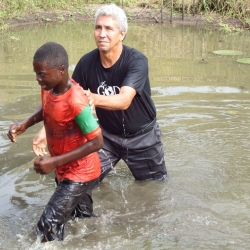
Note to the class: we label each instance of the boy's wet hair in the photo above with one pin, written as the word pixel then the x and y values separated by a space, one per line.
pixel 53 54
pixel 116 13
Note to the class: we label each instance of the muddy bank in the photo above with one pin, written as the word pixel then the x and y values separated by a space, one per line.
pixel 134 15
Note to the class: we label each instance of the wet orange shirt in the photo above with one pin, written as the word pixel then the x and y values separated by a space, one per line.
pixel 64 134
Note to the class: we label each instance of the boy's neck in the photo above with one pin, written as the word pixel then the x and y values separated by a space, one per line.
pixel 60 90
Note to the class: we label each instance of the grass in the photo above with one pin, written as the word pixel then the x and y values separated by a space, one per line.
pixel 238 9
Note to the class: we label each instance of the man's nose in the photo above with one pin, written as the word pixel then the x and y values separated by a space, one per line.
pixel 102 32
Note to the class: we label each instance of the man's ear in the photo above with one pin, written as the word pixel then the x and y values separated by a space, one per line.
pixel 123 35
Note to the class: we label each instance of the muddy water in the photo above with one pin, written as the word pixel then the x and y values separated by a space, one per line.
pixel 203 106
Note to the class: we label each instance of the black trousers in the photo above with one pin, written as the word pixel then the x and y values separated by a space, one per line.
pixel 66 197
pixel 143 154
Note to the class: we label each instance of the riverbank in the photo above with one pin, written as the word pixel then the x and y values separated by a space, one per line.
pixel 86 12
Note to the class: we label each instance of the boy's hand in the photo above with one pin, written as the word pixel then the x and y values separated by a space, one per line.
pixel 39 143
pixel 16 129
pixel 44 165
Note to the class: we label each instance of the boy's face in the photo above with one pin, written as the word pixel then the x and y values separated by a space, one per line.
pixel 47 77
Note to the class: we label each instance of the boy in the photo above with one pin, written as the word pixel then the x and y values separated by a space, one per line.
pixel 73 136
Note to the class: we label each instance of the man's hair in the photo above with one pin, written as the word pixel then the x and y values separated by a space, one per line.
pixel 116 13
pixel 53 54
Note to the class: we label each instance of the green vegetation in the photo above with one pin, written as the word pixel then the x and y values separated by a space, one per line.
pixel 15 9
pixel 238 9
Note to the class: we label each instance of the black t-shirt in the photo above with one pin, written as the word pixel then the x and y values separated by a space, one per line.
pixel 131 70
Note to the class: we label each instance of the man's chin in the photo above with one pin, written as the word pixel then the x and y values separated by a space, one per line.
pixel 103 50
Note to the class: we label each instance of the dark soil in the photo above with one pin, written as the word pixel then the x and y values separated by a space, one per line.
pixel 134 15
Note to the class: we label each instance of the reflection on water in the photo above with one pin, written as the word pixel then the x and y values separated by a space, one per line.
pixel 203 106
pixel 176 90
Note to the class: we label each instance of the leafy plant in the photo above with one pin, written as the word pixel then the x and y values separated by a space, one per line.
pixel 238 9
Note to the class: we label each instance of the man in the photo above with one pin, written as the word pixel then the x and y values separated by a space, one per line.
pixel 116 77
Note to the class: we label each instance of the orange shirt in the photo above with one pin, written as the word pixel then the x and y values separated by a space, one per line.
pixel 64 134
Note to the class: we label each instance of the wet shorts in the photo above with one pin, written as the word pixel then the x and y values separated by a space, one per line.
pixel 59 208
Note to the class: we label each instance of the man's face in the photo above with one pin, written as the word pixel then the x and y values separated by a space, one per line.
pixel 107 34
pixel 47 77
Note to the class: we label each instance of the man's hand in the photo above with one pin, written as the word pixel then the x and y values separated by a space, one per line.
pixel 16 129
pixel 90 98
pixel 39 143
pixel 44 165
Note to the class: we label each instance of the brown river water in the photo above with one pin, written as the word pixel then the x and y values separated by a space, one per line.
pixel 203 106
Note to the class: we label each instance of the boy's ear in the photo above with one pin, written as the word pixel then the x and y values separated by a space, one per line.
pixel 62 69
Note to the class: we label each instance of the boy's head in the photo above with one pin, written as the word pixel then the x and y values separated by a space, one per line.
pixel 52 54
pixel 50 64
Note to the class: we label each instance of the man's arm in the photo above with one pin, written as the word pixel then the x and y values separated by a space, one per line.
pixel 119 101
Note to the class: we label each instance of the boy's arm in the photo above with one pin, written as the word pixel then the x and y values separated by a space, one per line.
pixel 45 165
pixel 92 131
pixel 20 127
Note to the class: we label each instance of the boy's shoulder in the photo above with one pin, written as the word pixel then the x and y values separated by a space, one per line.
pixel 77 94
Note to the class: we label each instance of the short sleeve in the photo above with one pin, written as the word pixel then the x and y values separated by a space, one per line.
pixel 86 121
